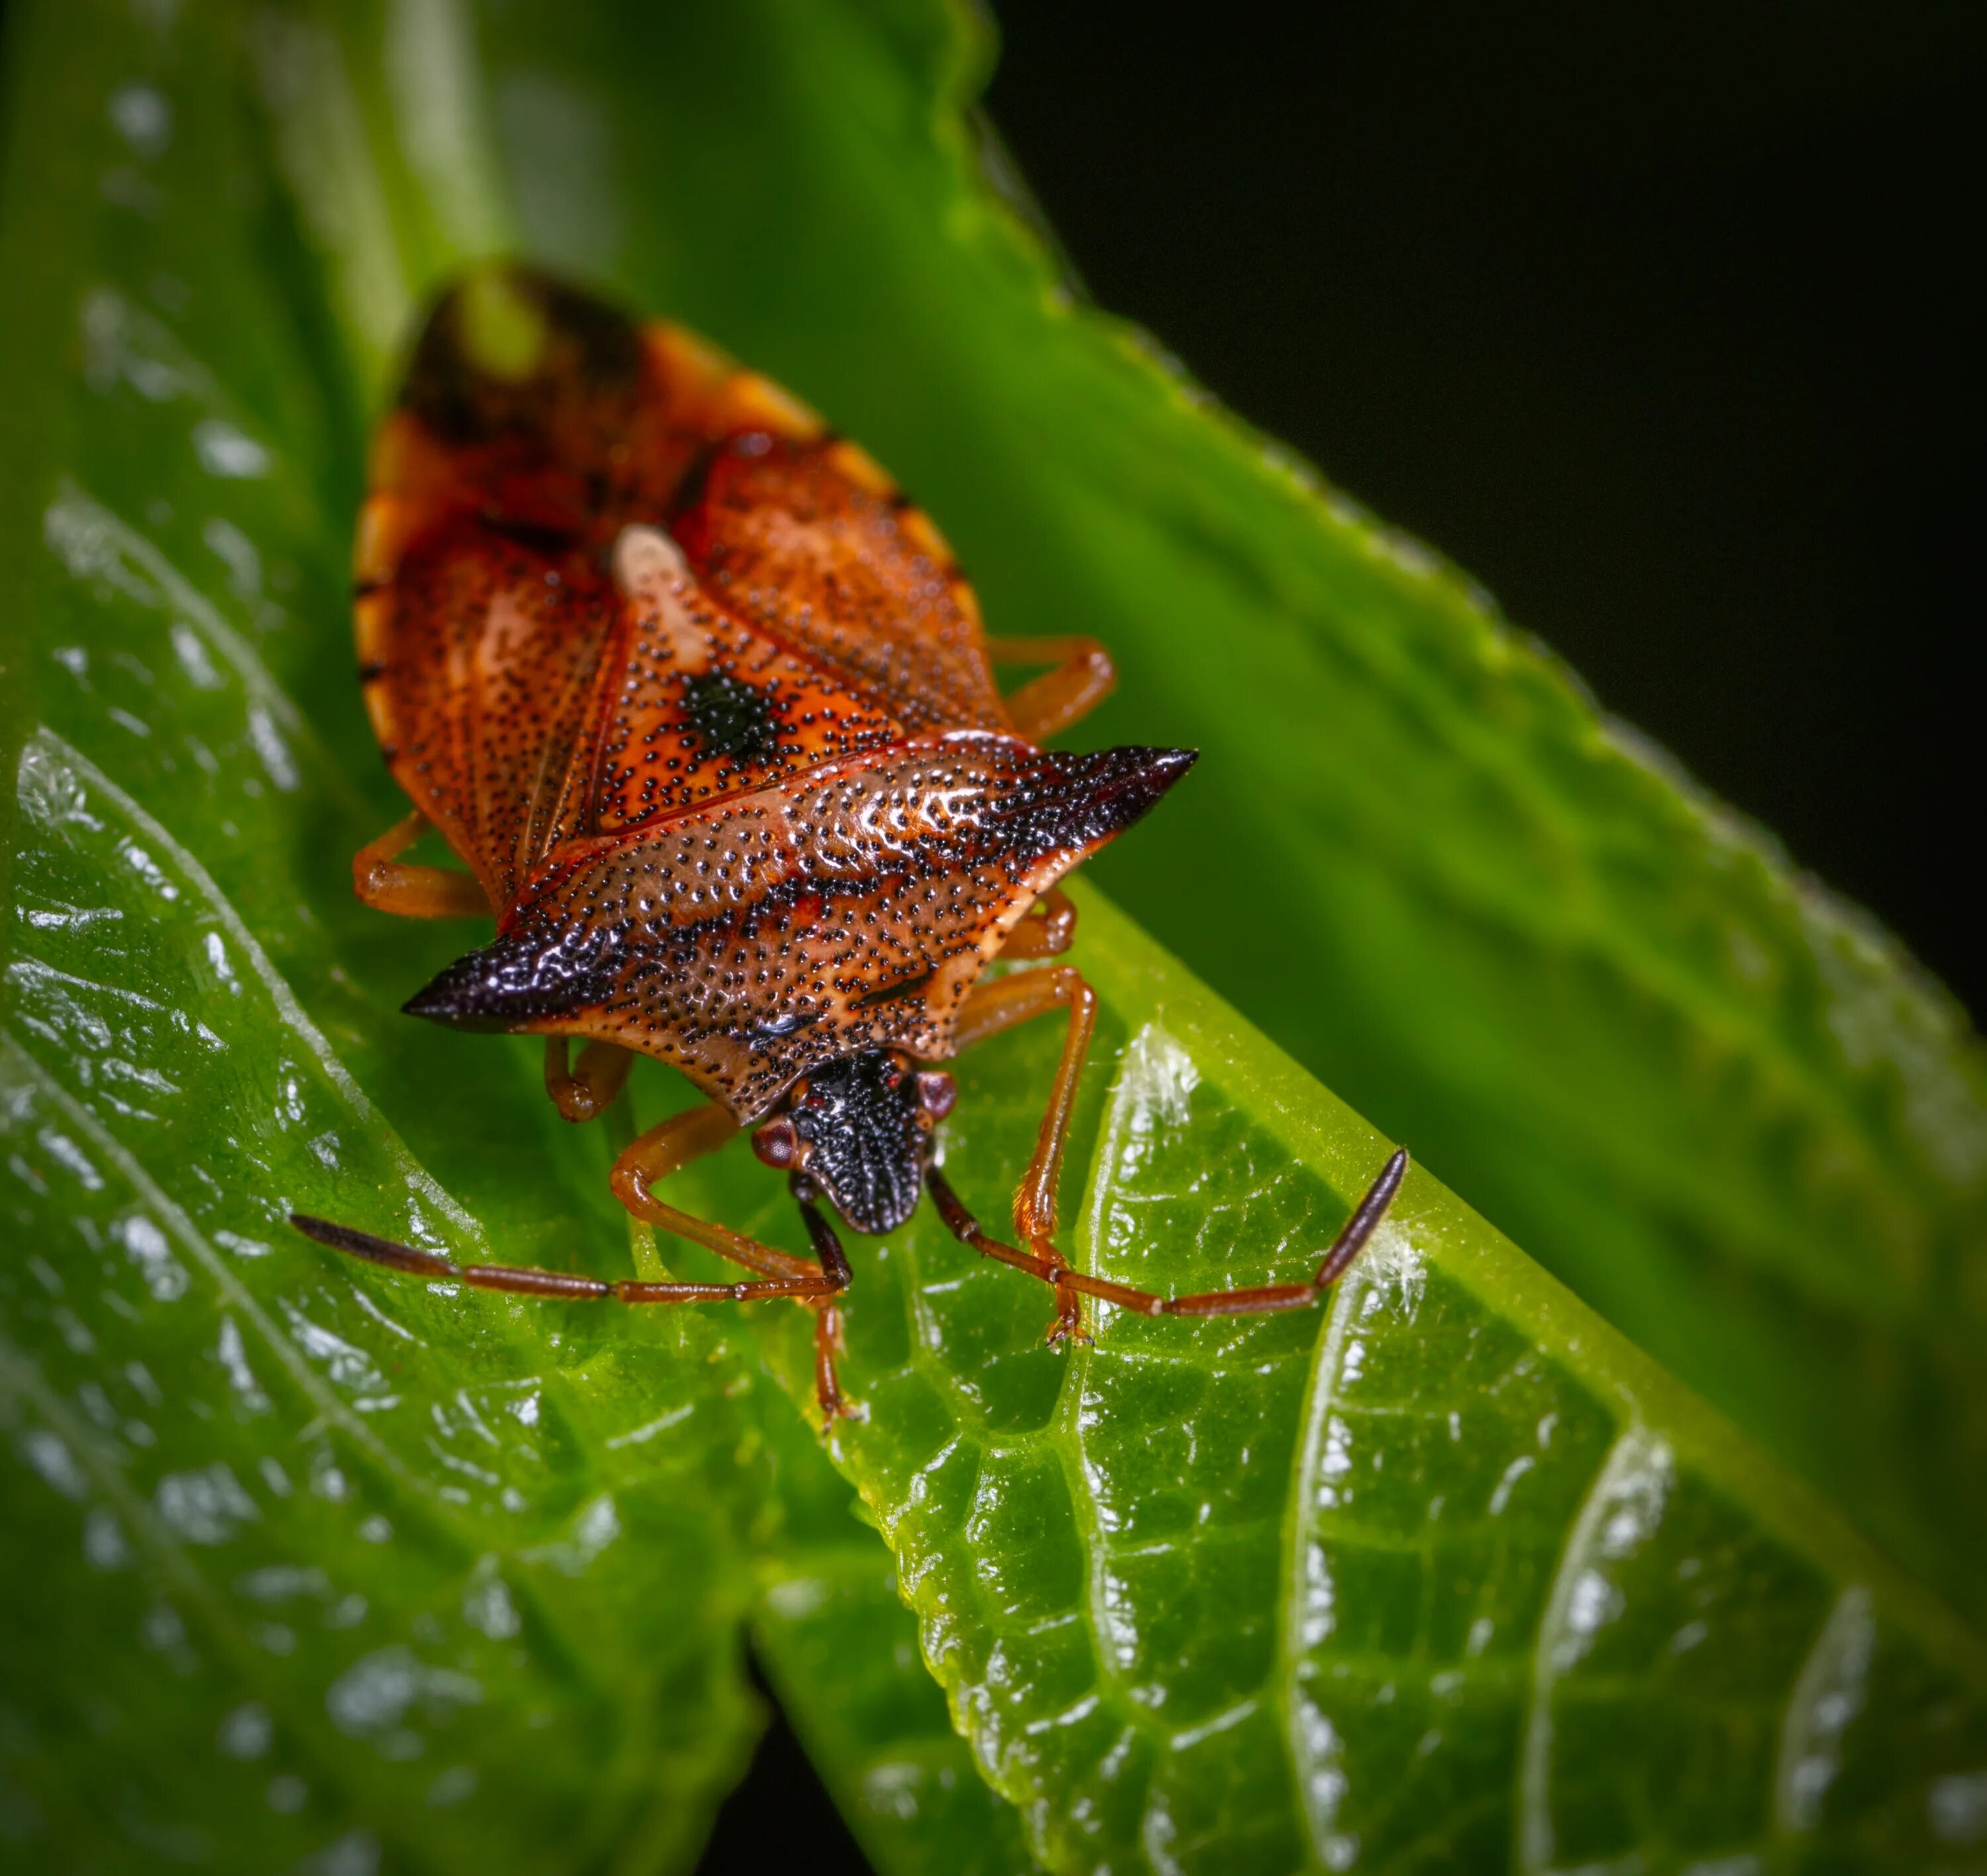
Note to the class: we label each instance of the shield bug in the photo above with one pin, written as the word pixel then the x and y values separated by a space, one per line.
pixel 705 708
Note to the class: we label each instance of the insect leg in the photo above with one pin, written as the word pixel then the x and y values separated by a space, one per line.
pixel 528 1279
pixel 827 1315
pixel 413 891
pixel 688 1136
pixel 1084 677
pixel 657 1154
pixel 1049 935
pixel 667 1148
pixel 586 1092
pixel 1263 1300
pixel 992 1007
pixel 660 1151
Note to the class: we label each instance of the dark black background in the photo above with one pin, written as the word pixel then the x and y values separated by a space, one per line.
pixel 1656 319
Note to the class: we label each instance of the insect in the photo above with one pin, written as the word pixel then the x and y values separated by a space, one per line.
pixel 705 708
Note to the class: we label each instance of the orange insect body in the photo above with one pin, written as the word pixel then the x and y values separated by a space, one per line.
pixel 707 709
pixel 743 794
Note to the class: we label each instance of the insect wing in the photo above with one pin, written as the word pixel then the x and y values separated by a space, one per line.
pixel 482 692
pixel 811 541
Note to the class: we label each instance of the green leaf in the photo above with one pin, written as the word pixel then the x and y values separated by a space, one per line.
pixel 1446 1574
pixel 840 1651
pixel 1720 1105
pixel 1449 1572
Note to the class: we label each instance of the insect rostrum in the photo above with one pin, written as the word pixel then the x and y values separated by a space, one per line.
pixel 706 710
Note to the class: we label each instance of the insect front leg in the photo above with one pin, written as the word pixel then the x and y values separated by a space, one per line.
pixel 992 1007
pixel 828 1311
pixel 532 1280
pixel 1263 1299
pixel 668 1147
pixel 662 1150
pixel 1083 677
pixel 675 1143
pixel 413 891
pixel 587 1091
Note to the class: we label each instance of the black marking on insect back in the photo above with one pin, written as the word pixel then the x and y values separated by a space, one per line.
pixel 533 537
pixel 695 479
pixel 372 671
pixel 891 992
pixel 861 1119
pixel 520 978
pixel 731 719
pixel 590 349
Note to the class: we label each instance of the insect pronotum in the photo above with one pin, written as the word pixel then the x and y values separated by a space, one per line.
pixel 705 708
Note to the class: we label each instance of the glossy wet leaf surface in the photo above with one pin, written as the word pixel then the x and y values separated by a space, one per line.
pixel 309 1568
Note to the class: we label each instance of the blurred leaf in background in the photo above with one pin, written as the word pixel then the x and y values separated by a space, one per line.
pixel 307 1564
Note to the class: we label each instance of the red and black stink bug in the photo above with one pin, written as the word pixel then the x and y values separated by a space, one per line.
pixel 706 708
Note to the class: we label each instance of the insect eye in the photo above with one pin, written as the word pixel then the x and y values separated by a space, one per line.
pixel 777 1143
pixel 936 1092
